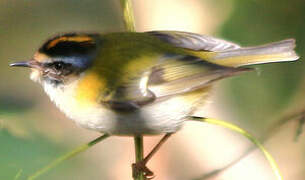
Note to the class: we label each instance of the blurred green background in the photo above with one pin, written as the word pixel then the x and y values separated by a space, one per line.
pixel 33 131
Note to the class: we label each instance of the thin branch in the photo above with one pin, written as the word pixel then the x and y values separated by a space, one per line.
pixel 128 17
pixel 299 115
pixel 235 128
pixel 216 172
pixel 18 175
pixel 300 126
pixel 139 151
pixel 67 156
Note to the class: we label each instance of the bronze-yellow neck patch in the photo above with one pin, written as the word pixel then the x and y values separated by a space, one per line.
pixel 89 89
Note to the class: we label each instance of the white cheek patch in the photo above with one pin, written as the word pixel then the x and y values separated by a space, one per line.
pixel 35 75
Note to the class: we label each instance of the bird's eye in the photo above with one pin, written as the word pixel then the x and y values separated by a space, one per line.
pixel 59 66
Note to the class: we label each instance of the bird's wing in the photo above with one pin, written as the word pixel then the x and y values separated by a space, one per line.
pixel 170 74
pixel 198 61
pixel 173 75
pixel 183 74
pixel 131 94
pixel 228 53
pixel 194 41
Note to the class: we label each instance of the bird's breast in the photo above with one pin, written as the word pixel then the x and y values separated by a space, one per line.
pixel 78 100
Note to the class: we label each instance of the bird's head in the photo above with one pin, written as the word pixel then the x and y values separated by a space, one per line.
pixel 63 58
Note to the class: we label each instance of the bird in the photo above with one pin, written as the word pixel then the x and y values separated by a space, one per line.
pixel 140 83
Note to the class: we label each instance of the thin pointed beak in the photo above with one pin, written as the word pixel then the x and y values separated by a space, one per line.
pixel 29 64
pixel 21 64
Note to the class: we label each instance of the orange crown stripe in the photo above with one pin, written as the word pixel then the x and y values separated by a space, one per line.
pixel 73 39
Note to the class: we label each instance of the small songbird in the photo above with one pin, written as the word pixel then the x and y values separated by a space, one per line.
pixel 130 83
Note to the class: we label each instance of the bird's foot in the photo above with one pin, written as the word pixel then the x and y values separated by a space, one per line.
pixel 140 167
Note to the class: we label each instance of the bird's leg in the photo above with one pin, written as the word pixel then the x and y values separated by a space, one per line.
pixel 140 166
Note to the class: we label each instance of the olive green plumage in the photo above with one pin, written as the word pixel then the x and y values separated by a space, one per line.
pixel 130 83
pixel 125 58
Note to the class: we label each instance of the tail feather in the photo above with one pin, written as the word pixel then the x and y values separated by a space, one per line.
pixel 273 52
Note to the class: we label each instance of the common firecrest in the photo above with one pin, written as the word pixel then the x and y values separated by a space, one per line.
pixel 130 83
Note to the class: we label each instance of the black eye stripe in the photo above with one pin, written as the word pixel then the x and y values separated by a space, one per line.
pixel 58 65
pixel 60 68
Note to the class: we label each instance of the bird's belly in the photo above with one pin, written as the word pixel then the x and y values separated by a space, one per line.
pixel 156 118
pixel 164 117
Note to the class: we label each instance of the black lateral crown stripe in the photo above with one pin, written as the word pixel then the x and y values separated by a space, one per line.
pixel 68 44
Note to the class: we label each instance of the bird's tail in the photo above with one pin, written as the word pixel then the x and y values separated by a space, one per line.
pixel 273 52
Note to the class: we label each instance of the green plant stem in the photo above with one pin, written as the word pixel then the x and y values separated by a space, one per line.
pixel 295 116
pixel 130 26
pixel 128 17
pixel 67 156
pixel 237 129
pixel 18 174
pixel 138 142
pixel 300 126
